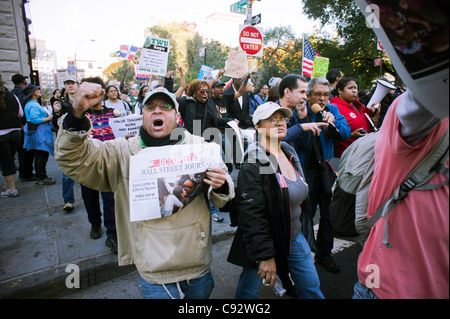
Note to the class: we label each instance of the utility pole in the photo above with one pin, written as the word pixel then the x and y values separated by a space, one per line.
pixel 248 21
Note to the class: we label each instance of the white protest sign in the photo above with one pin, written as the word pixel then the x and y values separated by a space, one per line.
pixel 126 125
pixel 154 56
pixel 236 65
pixel 162 183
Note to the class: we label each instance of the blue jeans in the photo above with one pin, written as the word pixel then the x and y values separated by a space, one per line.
pixel 302 270
pixel 67 189
pixel 199 288
pixel 362 292
pixel 214 209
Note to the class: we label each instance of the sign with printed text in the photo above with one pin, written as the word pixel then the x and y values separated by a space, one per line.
pixel 154 56
pixel 377 62
pixel 321 65
pixel 205 73
pixel 251 40
pixel 162 183
pixel 141 75
pixel 126 125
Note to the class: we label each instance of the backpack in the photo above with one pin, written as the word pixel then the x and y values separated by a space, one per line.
pixel 350 201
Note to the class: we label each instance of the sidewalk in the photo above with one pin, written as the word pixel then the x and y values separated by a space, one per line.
pixel 38 240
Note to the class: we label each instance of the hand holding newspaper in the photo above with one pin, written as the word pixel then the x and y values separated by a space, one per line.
pixel 162 183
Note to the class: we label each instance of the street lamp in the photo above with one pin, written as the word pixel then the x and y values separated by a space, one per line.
pixel 76 66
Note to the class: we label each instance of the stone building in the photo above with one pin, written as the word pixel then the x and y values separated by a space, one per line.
pixel 15 53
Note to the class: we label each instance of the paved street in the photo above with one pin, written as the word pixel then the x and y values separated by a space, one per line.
pixel 226 275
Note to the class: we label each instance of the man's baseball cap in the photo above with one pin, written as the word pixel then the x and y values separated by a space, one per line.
pixel 264 111
pixel 161 91
pixel 18 78
pixel 135 86
pixel 217 83
pixel 71 78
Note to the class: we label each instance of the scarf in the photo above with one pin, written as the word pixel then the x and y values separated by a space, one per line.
pixel 155 142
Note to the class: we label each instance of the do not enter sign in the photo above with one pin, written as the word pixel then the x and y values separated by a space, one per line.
pixel 251 40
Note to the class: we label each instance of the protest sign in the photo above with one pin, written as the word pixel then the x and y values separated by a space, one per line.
pixel 154 56
pixel 126 125
pixel 141 75
pixel 236 65
pixel 163 183
pixel 205 73
pixel 320 67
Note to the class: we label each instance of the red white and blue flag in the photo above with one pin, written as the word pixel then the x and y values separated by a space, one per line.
pixel 128 51
pixel 308 59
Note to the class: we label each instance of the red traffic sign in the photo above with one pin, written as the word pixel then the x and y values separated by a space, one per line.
pixel 251 41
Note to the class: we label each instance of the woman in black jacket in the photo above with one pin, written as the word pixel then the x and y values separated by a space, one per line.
pixel 269 239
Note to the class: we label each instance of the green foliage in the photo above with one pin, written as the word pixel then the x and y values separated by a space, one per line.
pixel 185 43
pixel 354 48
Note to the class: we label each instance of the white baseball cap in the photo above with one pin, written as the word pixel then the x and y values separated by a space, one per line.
pixel 264 111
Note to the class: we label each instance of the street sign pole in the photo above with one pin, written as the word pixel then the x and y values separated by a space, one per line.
pixel 248 21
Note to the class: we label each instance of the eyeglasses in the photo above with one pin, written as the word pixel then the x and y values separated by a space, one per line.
pixel 276 121
pixel 319 95
pixel 203 92
pixel 164 107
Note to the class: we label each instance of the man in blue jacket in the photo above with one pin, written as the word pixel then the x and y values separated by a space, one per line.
pixel 314 149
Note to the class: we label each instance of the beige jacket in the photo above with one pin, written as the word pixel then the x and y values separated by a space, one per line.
pixel 165 250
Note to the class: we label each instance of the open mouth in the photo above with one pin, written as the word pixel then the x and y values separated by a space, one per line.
pixel 158 124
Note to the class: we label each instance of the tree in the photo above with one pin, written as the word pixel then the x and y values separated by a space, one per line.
pixel 185 43
pixel 355 47
pixel 115 71
pixel 282 54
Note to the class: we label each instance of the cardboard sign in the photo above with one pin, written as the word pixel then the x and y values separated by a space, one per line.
pixel 236 65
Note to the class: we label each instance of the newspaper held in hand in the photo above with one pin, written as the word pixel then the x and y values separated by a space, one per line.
pixel 163 181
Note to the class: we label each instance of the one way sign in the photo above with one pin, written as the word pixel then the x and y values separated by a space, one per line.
pixel 256 19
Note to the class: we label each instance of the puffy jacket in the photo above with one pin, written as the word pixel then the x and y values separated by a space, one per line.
pixel 164 250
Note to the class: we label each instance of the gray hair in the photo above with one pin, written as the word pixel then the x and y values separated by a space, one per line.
pixel 315 81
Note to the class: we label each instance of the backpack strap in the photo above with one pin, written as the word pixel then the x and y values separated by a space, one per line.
pixel 417 180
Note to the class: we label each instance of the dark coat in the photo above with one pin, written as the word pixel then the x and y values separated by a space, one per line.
pixel 261 212
pixel 241 114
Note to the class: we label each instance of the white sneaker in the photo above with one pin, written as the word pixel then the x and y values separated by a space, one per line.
pixel 8 193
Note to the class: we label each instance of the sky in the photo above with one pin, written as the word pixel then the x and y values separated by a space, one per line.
pixel 67 25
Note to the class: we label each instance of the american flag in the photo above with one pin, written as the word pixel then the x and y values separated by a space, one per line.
pixel 308 58
pixel 128 52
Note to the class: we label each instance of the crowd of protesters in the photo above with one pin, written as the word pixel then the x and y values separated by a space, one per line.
pixel 316 121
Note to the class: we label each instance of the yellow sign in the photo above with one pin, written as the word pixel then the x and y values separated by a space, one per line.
pixel 321 65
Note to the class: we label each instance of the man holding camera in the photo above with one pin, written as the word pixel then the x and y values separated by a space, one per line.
pixel 71 86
